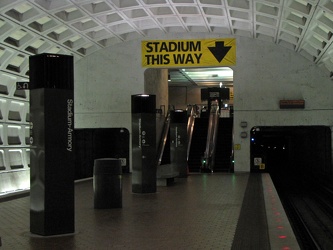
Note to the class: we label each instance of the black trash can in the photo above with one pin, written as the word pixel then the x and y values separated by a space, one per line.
pixel 107 183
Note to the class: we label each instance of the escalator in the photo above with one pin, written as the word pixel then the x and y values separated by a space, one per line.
pixel 210 147
pixel 198 144
pixel 172 150
pixel 165 170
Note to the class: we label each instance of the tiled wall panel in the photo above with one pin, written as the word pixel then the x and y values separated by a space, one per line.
pixel 14 133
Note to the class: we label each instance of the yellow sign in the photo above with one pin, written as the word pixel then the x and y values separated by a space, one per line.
pixel 237 146
pixel 262 166
pixel 188 53
pixel 231 93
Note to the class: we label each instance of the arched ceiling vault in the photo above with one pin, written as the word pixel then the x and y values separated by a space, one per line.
pixel 81 27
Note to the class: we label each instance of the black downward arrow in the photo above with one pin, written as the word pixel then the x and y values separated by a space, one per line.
pixel 219 51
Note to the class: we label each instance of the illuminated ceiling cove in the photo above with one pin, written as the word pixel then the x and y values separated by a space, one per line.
pixel 81 27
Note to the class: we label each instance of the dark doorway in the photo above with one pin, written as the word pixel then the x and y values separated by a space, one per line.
pixel 299 149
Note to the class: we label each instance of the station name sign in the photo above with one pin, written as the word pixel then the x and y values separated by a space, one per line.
pixel 22 85
pixel 188 53
pixel 292 104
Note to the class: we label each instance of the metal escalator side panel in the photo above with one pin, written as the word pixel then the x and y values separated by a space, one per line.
pixel 211 137
pixel 213 142
pixel 163 138
pixel 190 127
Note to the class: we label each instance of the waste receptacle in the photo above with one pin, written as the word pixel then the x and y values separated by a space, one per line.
pixel 107 183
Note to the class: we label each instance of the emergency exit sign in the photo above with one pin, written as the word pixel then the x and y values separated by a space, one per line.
pixel 188 53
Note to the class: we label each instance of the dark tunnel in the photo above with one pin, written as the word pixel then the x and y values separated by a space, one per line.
pixel 305 150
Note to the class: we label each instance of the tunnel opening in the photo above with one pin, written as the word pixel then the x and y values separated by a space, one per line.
pixel 304 150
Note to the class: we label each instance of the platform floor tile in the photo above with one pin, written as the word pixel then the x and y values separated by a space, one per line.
pixel 197 212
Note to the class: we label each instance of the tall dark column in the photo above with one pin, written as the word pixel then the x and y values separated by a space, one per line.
pixel 178 141
pixel 144 143
pixel 52 151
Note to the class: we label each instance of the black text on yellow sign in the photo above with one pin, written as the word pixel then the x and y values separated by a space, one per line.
pixel 189 53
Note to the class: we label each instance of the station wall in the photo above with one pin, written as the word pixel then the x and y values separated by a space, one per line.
pixel 264 74
pixel 14 134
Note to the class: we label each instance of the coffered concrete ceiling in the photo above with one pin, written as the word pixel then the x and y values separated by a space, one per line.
pixel 80 27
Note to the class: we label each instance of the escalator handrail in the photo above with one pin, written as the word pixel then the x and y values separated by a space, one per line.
pixel 164 137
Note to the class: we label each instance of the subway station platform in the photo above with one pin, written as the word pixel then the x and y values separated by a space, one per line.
pixel 202 211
